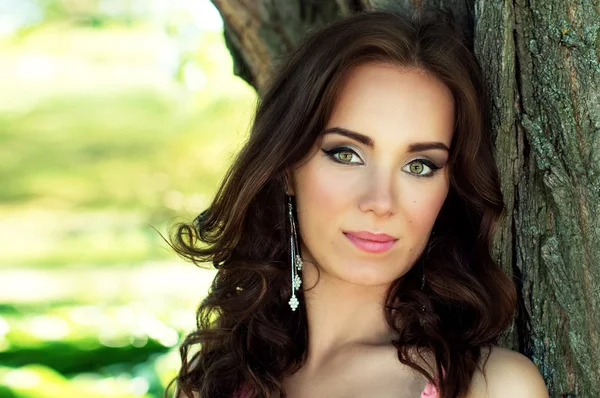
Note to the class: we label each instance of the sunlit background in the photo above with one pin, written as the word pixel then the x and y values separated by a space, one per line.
pixel 116 117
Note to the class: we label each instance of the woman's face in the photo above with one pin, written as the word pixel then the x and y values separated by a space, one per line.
pixel 364 176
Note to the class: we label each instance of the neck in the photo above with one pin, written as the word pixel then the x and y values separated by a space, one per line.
pixel 341 315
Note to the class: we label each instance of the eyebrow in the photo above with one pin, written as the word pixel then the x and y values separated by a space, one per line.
pixel 414 147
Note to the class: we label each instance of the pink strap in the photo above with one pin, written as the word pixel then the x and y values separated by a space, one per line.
pixel 431 390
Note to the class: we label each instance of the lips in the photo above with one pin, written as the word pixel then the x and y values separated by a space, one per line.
pixel 371 236
pixel 369 242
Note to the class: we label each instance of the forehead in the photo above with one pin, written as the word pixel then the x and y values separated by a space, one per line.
pixel 390 102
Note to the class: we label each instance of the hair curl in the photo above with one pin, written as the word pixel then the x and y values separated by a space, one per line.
pixel 245 328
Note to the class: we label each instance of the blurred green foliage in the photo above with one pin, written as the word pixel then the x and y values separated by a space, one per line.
pixel 112 123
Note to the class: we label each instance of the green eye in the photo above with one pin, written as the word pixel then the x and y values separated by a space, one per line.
pixel 345 155
pixel 416 168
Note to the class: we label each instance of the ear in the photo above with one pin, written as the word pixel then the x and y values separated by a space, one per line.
pixel 289 186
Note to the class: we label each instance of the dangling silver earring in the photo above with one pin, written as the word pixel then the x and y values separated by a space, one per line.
pixel 296 260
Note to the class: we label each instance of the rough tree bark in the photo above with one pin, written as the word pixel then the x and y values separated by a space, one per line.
pixel 541 61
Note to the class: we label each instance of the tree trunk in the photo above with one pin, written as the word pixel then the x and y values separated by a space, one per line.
pixel 541 62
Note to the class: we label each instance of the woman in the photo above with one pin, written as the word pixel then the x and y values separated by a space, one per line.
pixel 352 234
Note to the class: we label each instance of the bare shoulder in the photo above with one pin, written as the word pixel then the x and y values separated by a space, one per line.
pixel 508 374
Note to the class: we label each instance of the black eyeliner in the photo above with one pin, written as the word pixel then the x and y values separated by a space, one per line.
pixel 429 164
pixel 335 150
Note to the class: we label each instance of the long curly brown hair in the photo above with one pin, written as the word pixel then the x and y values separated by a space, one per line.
pixel 246 332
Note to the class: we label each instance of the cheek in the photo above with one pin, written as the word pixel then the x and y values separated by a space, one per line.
pixel 322 200
pixel 423 205
pixel 322 193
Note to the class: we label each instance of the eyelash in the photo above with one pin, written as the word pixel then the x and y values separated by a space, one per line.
pixel 334 151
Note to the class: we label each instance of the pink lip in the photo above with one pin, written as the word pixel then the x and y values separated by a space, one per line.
pixel 369 242
pixel 371 236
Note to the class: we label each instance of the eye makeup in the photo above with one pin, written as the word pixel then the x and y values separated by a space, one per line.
pixel 332 154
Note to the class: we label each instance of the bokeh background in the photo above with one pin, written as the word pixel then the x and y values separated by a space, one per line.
pixel 118 118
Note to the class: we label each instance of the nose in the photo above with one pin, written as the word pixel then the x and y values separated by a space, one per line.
pixel 378 194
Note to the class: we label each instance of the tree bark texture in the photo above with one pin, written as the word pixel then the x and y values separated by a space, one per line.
pixel 541 60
